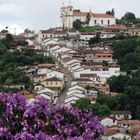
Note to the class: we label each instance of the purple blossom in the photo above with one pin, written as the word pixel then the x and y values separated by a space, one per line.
pixel 42 121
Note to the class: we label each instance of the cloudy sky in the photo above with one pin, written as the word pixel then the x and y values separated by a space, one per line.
pixel 41 14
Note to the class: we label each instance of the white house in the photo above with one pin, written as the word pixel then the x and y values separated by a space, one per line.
pixel 72 61
pixel 76 67
pixel 102 73
pixel 105 35
pixel 81 81
pixel 55 73
pixel 51 50
pixel 87 35
pixel 46 42
pixel 80 91
pixel 116 136
pixel 69 15
pixel 60 51
pixel 43 71
pixel 129 124
pixel 76 87
pixel 120 115
pixel 46 90
pixel 38 87
pixel 30 42
pixel 107 122
pixel 72 98
pixel 48 94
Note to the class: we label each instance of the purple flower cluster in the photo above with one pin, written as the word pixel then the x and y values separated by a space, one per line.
pixel 42 121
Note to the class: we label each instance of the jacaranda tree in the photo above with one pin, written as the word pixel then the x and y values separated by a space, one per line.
pixel 21 120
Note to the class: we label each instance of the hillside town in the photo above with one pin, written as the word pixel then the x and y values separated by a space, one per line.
pixel 76 64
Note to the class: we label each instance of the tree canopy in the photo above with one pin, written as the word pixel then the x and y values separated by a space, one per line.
pixel 10 61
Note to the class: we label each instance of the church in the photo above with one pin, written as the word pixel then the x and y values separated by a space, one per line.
pixel 69 15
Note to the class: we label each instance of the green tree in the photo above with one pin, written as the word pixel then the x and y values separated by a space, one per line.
pixel 112 12
pixel 105 63
pixel 104 110
pixel 118 84
pixel 107 100
pixel 82 103
pixel 95 108
pixel 129 16
pixel 138 112
pixel 77 24
pixel 88 18
pixel 22 43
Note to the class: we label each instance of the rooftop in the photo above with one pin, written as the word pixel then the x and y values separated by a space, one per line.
pixel 121 113
pixel 54 79
pixel 96 15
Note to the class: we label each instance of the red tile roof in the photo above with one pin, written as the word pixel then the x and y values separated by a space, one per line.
pixel 130 122
pixel 88 75
pixel 45 65
pixel 96 15
pixel 54 79
pixel 82 79
pixel 116 27
pixel 121 113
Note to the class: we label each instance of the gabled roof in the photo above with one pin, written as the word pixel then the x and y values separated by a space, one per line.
pixel 129 122
pixel 54 79
pixel 96 15
pixel 116 27
pixel 88 75
pixel 82 79
pixel 121 113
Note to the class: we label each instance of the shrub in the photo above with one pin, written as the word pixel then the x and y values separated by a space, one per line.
pixel 21 120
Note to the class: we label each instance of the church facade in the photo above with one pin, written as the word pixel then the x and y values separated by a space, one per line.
pixel 69 15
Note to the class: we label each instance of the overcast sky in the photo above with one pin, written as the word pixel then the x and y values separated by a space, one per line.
pixel 41 14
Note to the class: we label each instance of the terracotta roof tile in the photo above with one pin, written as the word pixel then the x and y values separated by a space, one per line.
pixel 54 79
pixel 96 15
pixel 121 113
pixel 130 122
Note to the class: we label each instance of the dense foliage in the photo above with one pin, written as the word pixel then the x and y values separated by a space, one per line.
pixel 129 88
pixel 77 24
pixel 10 61
pixel 91 28
pixel 129 18
pixel 112 12
pixel 41 121
pixel 127 52
pixel 98 109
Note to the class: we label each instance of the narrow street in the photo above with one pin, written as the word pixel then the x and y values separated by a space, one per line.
pixel 68 76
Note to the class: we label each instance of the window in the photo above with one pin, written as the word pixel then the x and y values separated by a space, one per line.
pixel 108 22
pixel 102 22
pixel 95 21
pixel 50 83
pixel 56 83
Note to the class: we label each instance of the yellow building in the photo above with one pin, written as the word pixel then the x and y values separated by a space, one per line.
pixel 134 31
pixel 53 82
pixel 39 78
